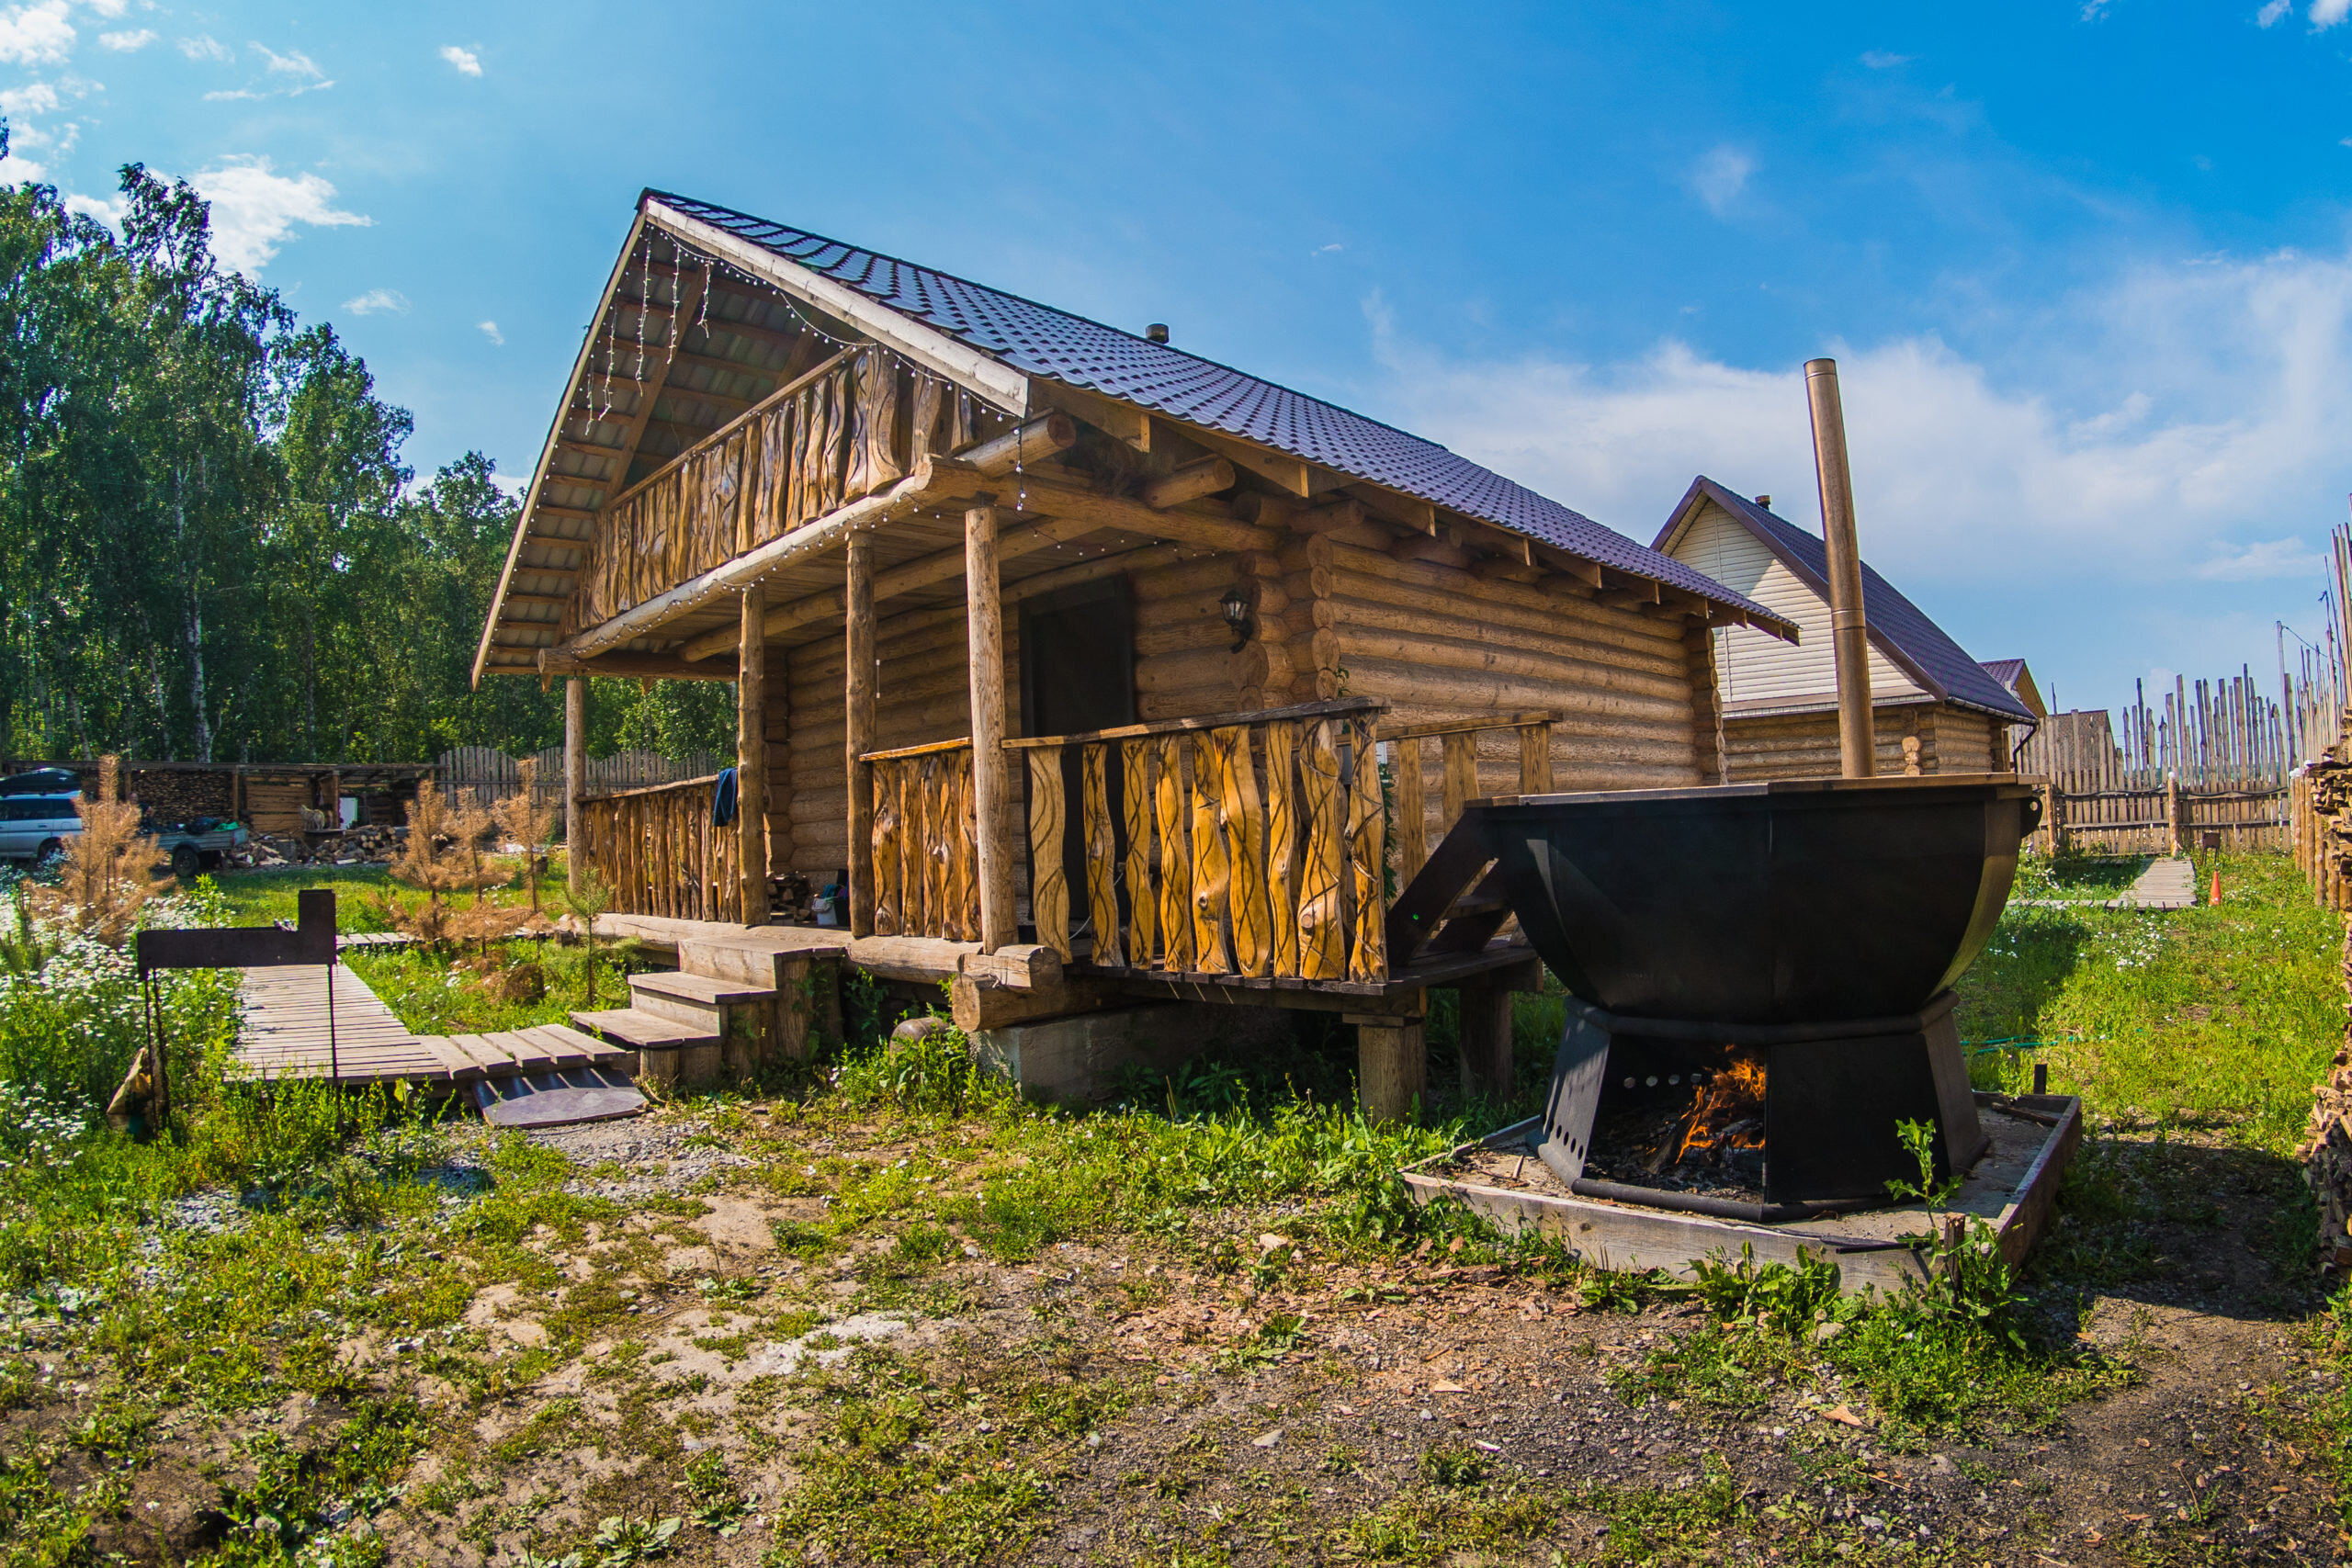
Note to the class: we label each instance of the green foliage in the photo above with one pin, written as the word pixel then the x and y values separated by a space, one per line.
pixel 215 550
pixel 1774 1295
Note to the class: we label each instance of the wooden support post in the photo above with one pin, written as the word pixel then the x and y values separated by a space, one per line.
pixel 575 781
pixel 991 774
pixel 858 649
pixel 1485 1043
pixel 752 757
pixel 1392 1066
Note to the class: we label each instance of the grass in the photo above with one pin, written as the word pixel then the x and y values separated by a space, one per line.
pixel 361 1259
pixel 2210 1021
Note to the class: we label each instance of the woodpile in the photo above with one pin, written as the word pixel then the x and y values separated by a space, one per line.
pixel 2326 1153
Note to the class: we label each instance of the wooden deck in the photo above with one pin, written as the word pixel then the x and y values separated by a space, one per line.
pixel 285 1036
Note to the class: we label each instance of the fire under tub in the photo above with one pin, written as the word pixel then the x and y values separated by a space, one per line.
pixel 1779 955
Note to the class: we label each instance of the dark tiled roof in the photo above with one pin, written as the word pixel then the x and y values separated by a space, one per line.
pixel 2005 670
pixel 1038 340
pixel 1904 630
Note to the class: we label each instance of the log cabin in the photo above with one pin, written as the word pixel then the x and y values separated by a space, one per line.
pixel 1934 709
pixel 1103 675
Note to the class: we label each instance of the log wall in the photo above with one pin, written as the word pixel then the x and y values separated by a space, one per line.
pixel 1911 737
pixel 1439 642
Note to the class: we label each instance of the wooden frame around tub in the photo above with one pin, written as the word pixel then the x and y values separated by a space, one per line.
pixel 1623 1236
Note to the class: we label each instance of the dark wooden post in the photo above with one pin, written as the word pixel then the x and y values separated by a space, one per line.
pixel 991 774
pixel 1392 1065
pixel 1484 1043
pixel 857 642
pixel 575 781
pixel 752 757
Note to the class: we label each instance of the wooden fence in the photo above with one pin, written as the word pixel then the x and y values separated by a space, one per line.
pixel 656 849
pixel 489 775
pixel 2211 760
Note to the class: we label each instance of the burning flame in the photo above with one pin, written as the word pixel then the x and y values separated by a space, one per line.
pixel 1734 1095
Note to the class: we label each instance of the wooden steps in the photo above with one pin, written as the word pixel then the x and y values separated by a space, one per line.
pixel 286 1036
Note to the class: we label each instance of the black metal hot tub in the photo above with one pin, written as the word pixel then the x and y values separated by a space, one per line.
pixel 1812 900
pixel 1812 928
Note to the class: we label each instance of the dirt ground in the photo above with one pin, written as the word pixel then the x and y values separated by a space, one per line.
pixel 1418 1389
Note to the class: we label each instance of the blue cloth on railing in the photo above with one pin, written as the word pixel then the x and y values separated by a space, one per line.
pixel 722 799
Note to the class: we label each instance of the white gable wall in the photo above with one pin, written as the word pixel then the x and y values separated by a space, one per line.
pixel 1752 667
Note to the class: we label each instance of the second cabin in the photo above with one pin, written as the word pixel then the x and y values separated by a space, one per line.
pixel 1935 709
pixel 1105 675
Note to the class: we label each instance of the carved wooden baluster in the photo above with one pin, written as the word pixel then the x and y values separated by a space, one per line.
pixel 923 434
pixel 1102 856
pixel 1412 809
pixel 1175 857
pixel 1536 758
pixel 939 793
pixel 1368 857
pixel 885 849
pixel 967 853
pixel 1282 842
pixel 796 466
pixel 1322 951
pixel 1212 871
pixel 1245 851
pixel 1461 775
pixel 933 919
pixel 913 920
pixel 1143 899
pixel 1048 885
pixel 837 396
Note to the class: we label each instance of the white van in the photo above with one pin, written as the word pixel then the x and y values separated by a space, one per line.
pixel 37 814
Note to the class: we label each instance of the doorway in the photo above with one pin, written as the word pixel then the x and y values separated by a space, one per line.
pixel 1077 659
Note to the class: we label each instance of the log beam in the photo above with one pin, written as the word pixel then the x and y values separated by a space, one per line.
pixel 752 757
pixel 576 783
pixel 859 647
pixel 1190 482
pixel 633 666
pixel 992 769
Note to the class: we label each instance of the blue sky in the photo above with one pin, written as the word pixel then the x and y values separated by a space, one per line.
pixel 2087 267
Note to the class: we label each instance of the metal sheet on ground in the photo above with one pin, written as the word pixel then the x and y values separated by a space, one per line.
pixel 558 1099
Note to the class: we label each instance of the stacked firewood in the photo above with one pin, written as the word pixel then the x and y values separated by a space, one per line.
pixel 2327 1152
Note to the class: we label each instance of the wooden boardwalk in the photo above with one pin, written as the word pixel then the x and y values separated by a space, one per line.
pixel 285 1036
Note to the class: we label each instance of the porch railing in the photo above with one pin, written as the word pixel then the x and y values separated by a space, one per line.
pixel 926 856
pixel 1458 773
pixel 1248 844
pixel 656 849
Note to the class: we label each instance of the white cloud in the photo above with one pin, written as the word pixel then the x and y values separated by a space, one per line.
pixel 37 34
pixel 1721 175
pixel 467 63
pixel 2326 14
pixel 204 46
pixel 295 64
pixel 2261 561
pixel 1881 59
pixel 490 330
pixel 2273 12
pixel 377 301
pixel 255 210
pixel 2175 422
pixel 108 210
pixel 124 42
pixel 33 97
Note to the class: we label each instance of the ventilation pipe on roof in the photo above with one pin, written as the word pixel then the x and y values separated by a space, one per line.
pixel 1849 632
pixel 1765 502
pixel 1156 332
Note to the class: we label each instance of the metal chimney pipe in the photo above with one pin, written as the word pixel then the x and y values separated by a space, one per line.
pixel 1848 631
